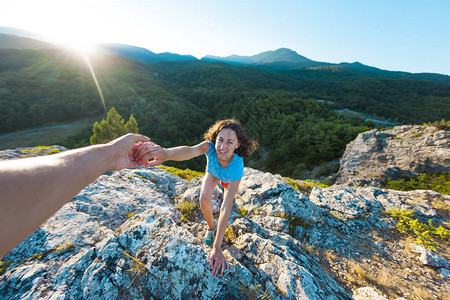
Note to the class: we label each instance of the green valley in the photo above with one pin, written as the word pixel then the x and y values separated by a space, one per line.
pixel 174 102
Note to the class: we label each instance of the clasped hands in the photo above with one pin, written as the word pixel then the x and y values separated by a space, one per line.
pixel 135 150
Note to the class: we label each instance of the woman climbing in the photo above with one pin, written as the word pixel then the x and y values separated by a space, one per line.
pixel 225 144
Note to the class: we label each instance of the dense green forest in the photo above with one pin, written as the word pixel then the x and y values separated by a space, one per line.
pixel 175 102
pixel 403 100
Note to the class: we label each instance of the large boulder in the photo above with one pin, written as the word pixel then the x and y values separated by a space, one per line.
pixel 408 150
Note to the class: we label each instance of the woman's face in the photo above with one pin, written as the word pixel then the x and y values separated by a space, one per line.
pixel 226 143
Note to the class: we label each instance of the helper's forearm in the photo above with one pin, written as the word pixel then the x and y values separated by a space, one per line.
pixel 33 189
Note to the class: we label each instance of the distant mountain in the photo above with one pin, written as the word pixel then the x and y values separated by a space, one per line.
pixel 357 70
pixel 23 33
pixel 141 54
pixel 274 61
pixel 16 42
pixel 291 63
pixel 280 55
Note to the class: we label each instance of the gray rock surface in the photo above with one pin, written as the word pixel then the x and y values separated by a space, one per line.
pixel 367 293
pixel 122 238
pixel 407 150
pixel 428 258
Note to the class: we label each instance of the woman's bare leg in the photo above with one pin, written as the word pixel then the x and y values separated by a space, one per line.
pixel 208 184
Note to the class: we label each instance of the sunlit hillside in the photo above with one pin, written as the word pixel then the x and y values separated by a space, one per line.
pixel 292 114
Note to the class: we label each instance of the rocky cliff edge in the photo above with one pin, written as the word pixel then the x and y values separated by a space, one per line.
pixel 123 237
pixel 404 151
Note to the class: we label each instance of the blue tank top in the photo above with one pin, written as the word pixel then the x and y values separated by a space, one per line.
pixel 234 171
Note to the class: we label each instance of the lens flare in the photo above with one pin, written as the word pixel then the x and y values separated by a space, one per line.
pixel 95 80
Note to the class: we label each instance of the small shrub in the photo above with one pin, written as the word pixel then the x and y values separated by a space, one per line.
pixel 423 232
pixel 242 211
pixel 328 181
pixel 230 233
pixel 53 151
pixel 187 209
pixel 439 183
pixel 294 221
pixel 442 124
pixel 304 186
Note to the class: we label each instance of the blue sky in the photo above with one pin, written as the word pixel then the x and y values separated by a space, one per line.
pixel 412 36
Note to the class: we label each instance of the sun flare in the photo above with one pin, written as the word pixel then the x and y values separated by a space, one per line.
pixel 76 41
pixel 80 46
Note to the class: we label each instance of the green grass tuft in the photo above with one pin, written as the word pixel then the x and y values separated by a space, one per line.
pixel 4 265
pixel 187 209
pixel 304 186
pixel 435 182
pixel 187 174
pixel 294 221
pixel 242 211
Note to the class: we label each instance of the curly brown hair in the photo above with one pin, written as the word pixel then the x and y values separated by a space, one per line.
pixel 246 147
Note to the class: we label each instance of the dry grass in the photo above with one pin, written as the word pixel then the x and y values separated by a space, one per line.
pixel 442 207
pixel 251 292
pixel 137 268
pixel 419 292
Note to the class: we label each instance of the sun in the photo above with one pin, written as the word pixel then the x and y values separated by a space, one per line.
pixel 82 46
pixel 74 40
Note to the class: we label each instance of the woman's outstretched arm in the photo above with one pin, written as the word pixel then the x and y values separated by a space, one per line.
pixel 33 189
pixel 146 151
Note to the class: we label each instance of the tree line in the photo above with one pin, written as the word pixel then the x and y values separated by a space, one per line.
pixel 175 102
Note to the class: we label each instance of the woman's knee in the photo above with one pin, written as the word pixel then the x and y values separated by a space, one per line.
pixel 205 198
pixel 208 185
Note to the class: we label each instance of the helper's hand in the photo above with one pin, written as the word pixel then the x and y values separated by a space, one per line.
pixel 218 262
pixel 148 150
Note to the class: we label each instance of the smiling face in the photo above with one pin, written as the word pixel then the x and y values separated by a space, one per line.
pixel 226 143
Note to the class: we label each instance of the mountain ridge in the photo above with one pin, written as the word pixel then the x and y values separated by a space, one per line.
pixel 279 60
pixel 13 41
pixel 141 54
pixel 279 55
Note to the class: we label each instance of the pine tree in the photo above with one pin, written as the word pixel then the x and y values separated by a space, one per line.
pixel 113 127
pixel 131 126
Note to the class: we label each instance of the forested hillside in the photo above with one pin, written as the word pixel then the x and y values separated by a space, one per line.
pixel 175 102
pixel 402 97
